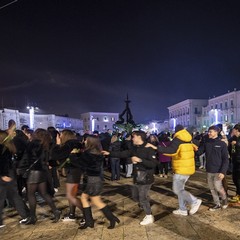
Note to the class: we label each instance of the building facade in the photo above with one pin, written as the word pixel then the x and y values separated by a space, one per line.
pixel 224 109
pixel 201 113
pixel 39 120
pixel 186 113
pixel 98 121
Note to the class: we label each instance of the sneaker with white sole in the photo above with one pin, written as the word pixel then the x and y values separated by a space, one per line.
pixel 147 220
pixel 215 208
pixel 69 218
pixel 2 225
pixel 224 203
pixel 195 207
pixel 180 212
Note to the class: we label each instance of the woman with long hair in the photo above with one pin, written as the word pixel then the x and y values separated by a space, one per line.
pixel 91 162
pixel 36 159
pixel 66 142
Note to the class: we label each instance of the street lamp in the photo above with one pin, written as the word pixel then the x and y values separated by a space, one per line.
pixel 93 123
pixel 31 115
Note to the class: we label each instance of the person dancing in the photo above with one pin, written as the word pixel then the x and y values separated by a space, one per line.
pixel 91 162
pixel 8 184
pixel 65 143
pixel 35 159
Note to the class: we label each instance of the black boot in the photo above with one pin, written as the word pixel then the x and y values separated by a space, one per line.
pixel 57 215
pixel 109 215
pixel 89 222
pixel 31 220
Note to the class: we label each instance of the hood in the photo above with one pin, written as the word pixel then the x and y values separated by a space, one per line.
pixel 183 135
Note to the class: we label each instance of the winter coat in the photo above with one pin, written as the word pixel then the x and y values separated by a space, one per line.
pixel 6 163
pixel 116 147
pixel 34 157
pixel 61 153
pixel 91 164
pixel 163 158
pixel 216 152
pixel 148 157
pixel 126 145
pixel 236 153
pixel 181 150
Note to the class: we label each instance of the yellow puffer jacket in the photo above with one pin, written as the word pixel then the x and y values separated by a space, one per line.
pixel 183 161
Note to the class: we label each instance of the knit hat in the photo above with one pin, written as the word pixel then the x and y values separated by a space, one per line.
pixel 214 128
pixel 178 128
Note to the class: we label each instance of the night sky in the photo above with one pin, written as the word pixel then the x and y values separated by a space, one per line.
pixel 70 57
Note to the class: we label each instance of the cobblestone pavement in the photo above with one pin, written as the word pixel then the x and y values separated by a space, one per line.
pixel 223 224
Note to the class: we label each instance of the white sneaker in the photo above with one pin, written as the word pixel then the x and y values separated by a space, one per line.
pixel 195 207
pixel 69 219
pixel 225 203
pixel 180 212
pixel 147 220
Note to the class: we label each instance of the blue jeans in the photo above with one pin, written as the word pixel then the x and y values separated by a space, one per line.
pixel 115 168
pixel 129 168
pixel 184 197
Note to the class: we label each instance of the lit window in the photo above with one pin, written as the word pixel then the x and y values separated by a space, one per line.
pixel 105 119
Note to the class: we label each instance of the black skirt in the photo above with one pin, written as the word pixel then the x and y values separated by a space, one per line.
pixel 36 176
pixel 73 175
pixel 92 185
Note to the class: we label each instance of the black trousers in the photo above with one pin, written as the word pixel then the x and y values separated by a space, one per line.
pixel 9 189
pixel 236 176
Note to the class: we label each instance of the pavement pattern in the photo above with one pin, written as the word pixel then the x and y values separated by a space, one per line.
pixel 221 225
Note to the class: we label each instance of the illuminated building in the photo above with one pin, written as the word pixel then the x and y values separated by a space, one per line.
pixel 98 121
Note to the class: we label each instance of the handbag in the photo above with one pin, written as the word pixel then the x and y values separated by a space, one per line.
pixel 27 171
pixel 141 177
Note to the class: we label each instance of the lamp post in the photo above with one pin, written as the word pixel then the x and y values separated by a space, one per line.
pixel 93 123
pixel 31 115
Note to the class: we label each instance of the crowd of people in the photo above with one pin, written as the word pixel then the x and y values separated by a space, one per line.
pixel 32 161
